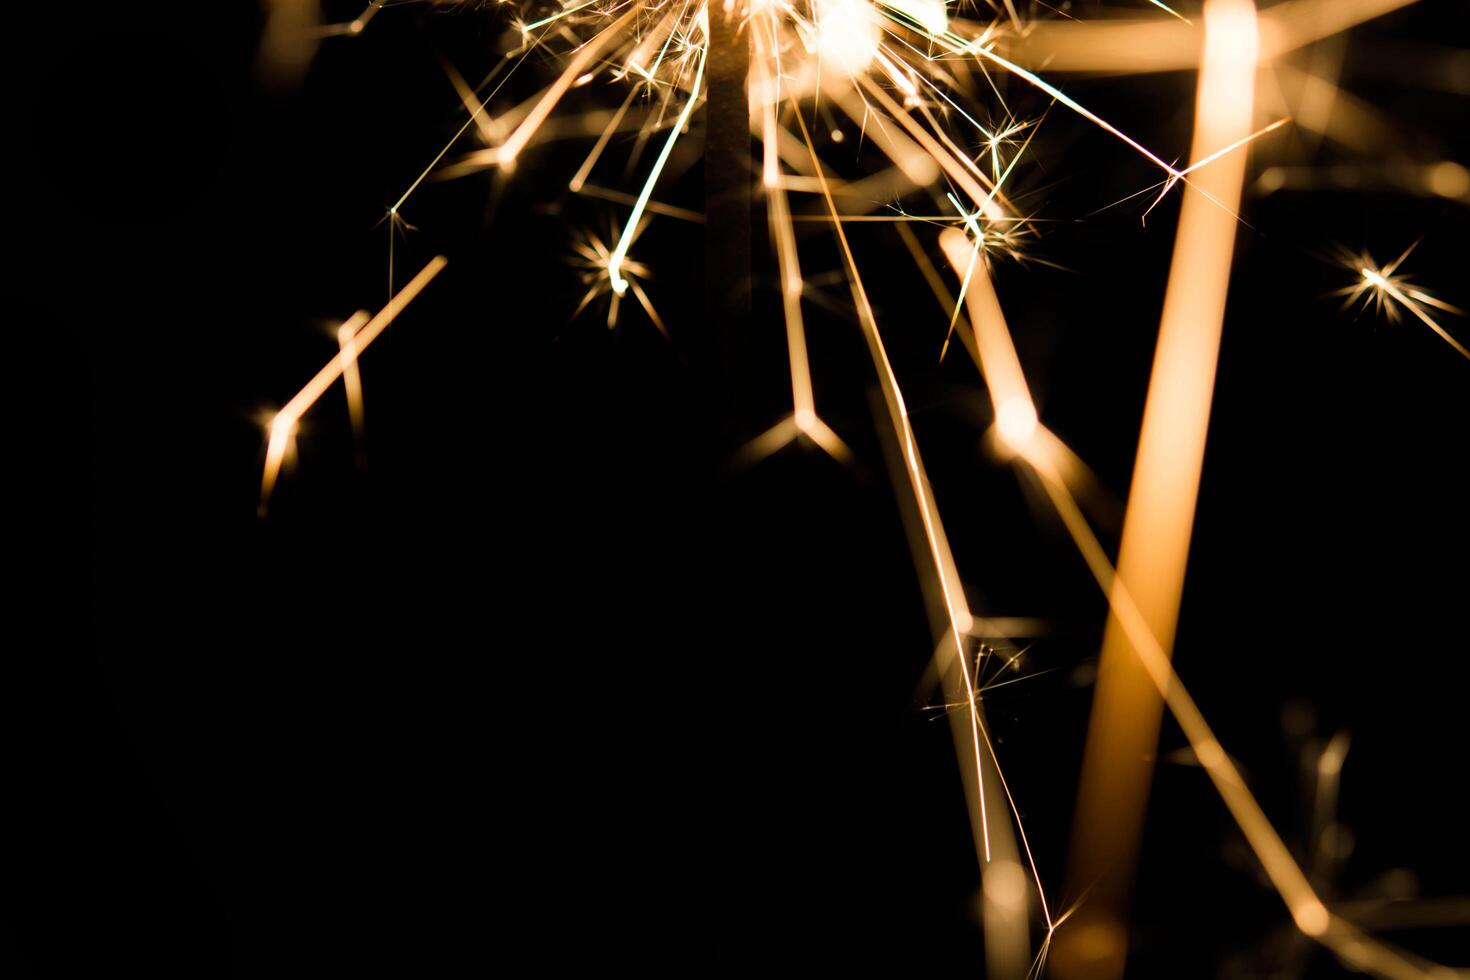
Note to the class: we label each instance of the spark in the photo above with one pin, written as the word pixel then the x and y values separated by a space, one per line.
pixel 1383 286
pixel 902 76
pixel 363 330
pixel 1123 730
pixel 1307 910
pixel 351 378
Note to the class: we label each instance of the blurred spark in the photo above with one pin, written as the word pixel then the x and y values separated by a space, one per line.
pixel 363 330
pixel 1390 293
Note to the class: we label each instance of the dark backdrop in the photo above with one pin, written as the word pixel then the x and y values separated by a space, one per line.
pixel 548 682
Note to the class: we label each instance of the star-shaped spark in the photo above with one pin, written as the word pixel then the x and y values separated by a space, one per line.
pixel 1391 295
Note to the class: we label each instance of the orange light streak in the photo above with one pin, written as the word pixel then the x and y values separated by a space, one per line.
pixel 1123 730
pixel 364 332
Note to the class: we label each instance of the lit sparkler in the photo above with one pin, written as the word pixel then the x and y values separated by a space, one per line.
pixel 914 79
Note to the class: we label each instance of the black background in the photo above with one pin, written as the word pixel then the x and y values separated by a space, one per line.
pixel 549 682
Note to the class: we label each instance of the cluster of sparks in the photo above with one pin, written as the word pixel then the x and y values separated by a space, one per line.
pixel 914 81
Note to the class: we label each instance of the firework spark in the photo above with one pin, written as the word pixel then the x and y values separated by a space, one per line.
pixel 1392 294
pixel 914 78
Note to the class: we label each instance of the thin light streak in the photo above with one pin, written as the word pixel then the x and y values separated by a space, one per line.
pixel 615 264
pixel 351 378
pixel 1379 281
pixel 956 610
pixel 580 177
pixel 508 151
pixel 802 398
pixel 1007 933
pixel 1307 909
pixel 559 15
pixel 1010 396
pixel 1074 105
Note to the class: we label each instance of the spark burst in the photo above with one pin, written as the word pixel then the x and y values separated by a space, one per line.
pixel 914 80
pixel 1393 295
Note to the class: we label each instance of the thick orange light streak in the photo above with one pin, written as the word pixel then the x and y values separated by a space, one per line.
pixel 1137 46
pixel 1307 910
pixel 957 613
pixel 615 264
pixel 1008 940
pixel 1123 730
pixel 804 418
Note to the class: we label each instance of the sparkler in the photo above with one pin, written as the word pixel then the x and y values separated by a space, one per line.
pixel 914 78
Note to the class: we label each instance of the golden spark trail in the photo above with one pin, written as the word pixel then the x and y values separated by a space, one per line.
pixel 901 72
pixel 615 263
pixel 1072 104
pixel 508 151
pixel 998 361
pixel 364 331
pixel 951 589
pixel 1123 730
pixel 1307 910
pixel 1379 281
pixel 283 425
pixel 1205 162
pixel 1142 46
pixel 1015 420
